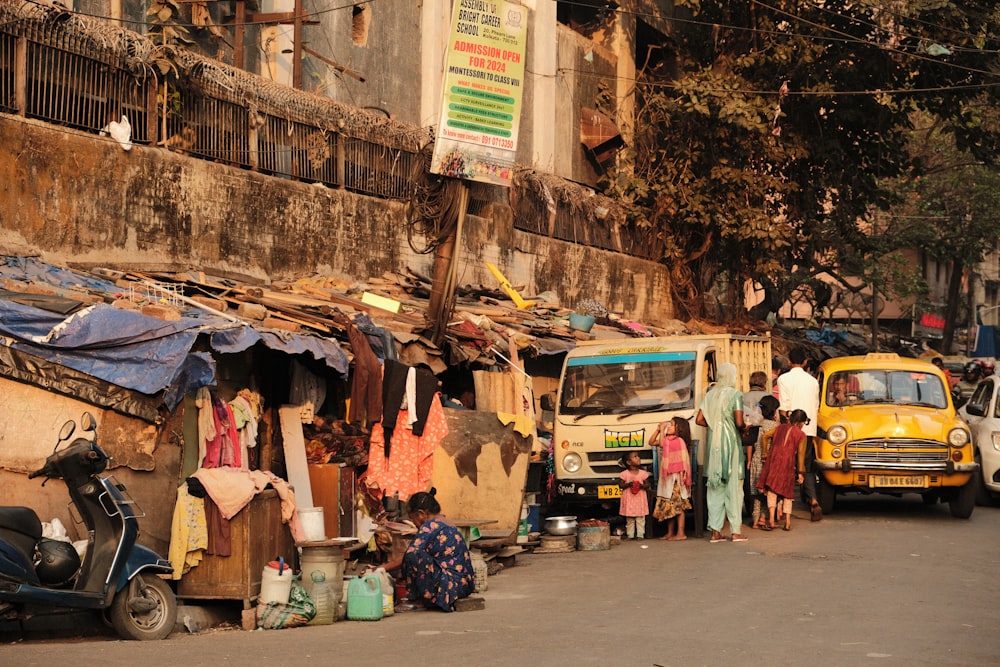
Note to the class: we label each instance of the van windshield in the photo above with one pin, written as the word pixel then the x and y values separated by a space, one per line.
pixel 620 384
pixel 858 387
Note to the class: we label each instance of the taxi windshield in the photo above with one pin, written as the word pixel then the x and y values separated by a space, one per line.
pixel 897 387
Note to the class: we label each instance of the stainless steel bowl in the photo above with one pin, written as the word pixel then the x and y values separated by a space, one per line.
pixel 560 525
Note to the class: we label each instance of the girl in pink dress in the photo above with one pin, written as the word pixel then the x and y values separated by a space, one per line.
pixel 634 482
pixel 673 489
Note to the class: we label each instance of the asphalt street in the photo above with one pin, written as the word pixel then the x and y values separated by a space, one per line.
pixel 882 581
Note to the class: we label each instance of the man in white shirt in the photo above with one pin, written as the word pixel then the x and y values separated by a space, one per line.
pixel 798 390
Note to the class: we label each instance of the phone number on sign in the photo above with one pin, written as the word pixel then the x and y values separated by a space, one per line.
pixel 499 142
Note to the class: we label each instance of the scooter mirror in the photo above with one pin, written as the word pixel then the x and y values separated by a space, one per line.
pixel 87 422
pixel 67 430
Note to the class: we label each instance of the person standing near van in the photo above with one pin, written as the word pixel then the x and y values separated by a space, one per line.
pixel 634 482
pixel 769 413
pixel 798 390
pixel 673 489
pixel 722 413
pixel 777 479
pixel 752 419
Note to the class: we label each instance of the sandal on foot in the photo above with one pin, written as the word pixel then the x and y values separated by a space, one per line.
pixel 764 526
pixel 815 513
pixel 740 537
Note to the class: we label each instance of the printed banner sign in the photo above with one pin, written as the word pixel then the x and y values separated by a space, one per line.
pixel 483 84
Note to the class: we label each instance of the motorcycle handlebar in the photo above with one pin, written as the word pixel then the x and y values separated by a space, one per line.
pixel 37 473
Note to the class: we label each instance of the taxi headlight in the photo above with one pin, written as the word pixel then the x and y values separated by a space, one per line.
pixel 572 462
pixel 837 435
pixel 958 437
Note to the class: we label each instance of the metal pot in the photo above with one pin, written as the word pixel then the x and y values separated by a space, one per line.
pixel 560 525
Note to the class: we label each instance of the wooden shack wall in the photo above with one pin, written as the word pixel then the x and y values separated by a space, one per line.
pixel 30 419
pixel 480 469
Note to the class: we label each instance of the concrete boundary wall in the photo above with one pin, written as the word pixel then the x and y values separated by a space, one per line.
pixel 77 197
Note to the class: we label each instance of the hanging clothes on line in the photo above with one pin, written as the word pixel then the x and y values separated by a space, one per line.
pixel 366 383
pixel 410 389
pixel 222 449
pixel 408 466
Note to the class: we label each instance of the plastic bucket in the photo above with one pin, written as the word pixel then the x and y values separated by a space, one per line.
pixel 312 523
pixel 364 598
pixel 581 322
pixel 275 584
pixel 327 559
pixel 593 538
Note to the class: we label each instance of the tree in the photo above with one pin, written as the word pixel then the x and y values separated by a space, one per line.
pixel 768 131
pixel 954 203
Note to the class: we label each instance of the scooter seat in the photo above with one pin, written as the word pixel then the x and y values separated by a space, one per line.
pixel 21 520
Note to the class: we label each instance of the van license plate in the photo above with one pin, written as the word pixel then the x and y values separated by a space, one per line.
pixel 898 481
pixel 609 491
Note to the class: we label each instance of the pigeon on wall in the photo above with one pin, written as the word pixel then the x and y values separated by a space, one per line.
pixel 120 131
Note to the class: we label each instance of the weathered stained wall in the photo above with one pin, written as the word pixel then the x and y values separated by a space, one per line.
pixel 401 56
pixel 30 419
pixel 84 198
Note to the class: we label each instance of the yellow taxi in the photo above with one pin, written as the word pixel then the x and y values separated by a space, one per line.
pixel 887 424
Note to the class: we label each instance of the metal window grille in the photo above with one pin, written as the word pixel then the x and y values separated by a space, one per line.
pixel 8 92
pixel 69 89
pixel 299 151
pixel 210 128
pixel 377 170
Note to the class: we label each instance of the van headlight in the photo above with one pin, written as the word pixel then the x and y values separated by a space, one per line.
pixel 572 462
pixel 837 435
pixel 958 437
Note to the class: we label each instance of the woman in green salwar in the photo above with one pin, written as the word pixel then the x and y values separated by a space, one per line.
pixel 722 412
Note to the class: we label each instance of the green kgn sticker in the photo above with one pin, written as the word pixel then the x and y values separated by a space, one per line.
pixel 623 439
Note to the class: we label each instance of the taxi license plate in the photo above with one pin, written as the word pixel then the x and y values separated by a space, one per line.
pixel 609 491
pixel 898 481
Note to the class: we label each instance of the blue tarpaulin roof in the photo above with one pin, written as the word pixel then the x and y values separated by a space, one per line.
pixel 128 348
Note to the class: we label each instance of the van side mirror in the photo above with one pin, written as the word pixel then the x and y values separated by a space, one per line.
pixel 547 401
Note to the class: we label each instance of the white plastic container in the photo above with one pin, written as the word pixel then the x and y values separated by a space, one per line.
pixel 275 584
pixel 313 525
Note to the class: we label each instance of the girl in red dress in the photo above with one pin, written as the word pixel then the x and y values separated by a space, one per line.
pixel 777 478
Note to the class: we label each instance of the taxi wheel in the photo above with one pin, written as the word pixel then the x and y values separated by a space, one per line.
pixel 964 500
pixel 826 495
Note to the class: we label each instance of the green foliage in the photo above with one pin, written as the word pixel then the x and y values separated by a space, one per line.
pixel 742 181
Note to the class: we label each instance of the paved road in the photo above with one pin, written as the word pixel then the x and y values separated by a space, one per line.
pixel 882 582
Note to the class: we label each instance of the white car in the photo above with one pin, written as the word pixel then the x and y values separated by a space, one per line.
pixel 982 414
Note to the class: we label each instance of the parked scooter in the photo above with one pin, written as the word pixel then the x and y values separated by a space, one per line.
pixel 116 576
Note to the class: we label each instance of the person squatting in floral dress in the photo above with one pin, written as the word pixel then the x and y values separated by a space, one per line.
pixel 436 566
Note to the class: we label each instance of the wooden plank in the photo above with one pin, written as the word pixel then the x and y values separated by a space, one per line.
pixel 295 454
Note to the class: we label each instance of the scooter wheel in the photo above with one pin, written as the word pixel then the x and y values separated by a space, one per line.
pixel 145 609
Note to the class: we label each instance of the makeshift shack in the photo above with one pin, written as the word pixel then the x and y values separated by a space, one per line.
pixel 156 367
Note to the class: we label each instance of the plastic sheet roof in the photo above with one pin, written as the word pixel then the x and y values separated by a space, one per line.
pixel 126 347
